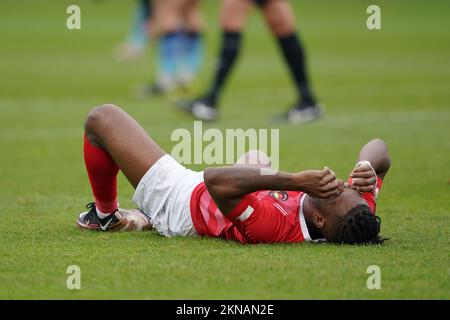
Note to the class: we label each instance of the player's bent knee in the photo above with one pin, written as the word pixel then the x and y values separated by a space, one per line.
pixel 379 140
pixel 99 115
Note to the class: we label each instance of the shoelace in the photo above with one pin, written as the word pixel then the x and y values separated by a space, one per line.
pixel 90 205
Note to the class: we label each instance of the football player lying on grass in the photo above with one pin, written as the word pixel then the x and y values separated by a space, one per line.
pixel 237 202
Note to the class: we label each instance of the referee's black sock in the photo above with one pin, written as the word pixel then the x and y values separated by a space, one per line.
pixel 295 57
pixel 231 44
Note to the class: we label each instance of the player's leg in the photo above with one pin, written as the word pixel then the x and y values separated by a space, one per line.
pixel 192 15
pixel 169 21
pixel 113 140
pixel 112 130
pixel 233 16
pixel 193 42
pixel 281 20
pixel 134 45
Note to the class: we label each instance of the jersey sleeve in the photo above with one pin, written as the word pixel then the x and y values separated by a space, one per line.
pixel 257 220
pixel 245 207
pixel 371 197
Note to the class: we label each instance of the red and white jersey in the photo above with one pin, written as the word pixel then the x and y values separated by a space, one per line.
pixel 265 216
pixel 277 219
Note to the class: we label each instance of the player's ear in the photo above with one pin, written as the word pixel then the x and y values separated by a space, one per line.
pixel 319 220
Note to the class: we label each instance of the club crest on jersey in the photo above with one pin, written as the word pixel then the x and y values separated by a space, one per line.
pixel 279 195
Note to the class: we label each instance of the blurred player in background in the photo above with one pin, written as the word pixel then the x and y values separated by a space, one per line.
pixel 138 36
pixel 177 25
pixel 281 21
pixel 180 43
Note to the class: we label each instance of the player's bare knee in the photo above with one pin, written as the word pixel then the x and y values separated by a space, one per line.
pixel 233 15
pixel 379 140
pixel 231 24
pixel 279 26
pixel 98 116
pixel 279 18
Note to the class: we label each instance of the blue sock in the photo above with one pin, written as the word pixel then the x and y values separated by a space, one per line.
pixel 193 52
pixel 170 50
pixel 138 32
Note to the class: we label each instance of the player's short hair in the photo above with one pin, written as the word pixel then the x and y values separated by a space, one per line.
pixel 360 226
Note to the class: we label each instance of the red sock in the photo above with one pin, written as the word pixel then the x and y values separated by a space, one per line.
pixel 102 172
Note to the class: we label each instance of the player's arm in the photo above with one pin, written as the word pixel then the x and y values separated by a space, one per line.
pixel 373 161
pixel 227 185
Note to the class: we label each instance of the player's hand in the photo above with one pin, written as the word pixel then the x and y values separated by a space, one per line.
pixel 320 184
pixel 364 178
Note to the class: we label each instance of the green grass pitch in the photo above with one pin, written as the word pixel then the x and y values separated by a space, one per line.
pixel 391 83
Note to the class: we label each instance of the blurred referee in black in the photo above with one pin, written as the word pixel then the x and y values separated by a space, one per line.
pixel 281 21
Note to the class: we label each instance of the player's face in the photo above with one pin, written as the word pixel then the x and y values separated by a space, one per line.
pixel 340 205
pixel 334 210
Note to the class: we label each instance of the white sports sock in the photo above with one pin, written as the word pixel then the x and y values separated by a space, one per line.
pixel 102 215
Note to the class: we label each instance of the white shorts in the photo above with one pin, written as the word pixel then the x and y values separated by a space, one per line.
pixel 164 194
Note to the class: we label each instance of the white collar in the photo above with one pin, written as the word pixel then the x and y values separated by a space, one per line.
pixel 303 225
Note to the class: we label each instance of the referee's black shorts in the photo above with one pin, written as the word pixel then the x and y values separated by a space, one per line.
pixel 260 3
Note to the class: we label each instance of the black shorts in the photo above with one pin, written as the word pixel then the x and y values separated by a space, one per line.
pixel 260 3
